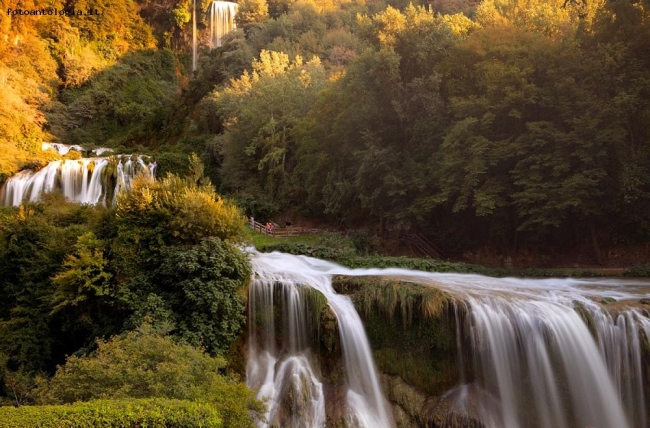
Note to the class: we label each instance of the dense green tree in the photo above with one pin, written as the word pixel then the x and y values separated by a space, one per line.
pixel 375 129
pixel 250 11
pixel 84 285
pixel 172 211
pixel 34 242
pixel 205 287
pixel 172 260
pixel 261 111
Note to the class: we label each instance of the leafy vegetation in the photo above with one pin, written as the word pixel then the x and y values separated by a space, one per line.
pixel 639 271
pixel 115 414
pixel 160 267
pixel 493 124
pixel 143 364
pixel 499 128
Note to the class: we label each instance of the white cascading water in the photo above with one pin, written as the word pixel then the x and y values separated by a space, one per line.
pixel 194 35
pixel 222 21
pixel 79 180
pixel 288 370
pixel 533 360
pixel 619 340
pixel 64 149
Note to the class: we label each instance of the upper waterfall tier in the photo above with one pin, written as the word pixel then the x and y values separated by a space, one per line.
pixel 222 20
pixel 86 181
pixel 64 149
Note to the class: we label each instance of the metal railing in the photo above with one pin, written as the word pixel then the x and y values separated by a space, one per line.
pixel 278 232
pixel 424 245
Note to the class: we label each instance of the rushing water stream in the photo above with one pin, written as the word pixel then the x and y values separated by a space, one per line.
pixel 530 359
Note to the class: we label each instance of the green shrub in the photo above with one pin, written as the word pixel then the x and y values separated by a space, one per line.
pixel 638 271
pixel 143 364
pixel 178 211
pixel 205 286
pixel 299 248
pixel 151 413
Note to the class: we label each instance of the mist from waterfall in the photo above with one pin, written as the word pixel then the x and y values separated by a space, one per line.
pixel 536 353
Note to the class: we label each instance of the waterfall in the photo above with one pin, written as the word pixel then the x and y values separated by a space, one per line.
pixel 537 353
pixel 527 352
pixel 194 35
pixel 545 354
pixel 222 21
pixel 64 149
pixel 85 181
pixel 286 371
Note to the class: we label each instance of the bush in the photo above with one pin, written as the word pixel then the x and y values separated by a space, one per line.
pixel 178 211
pixel 115 414
pixel 146 365
pixel 205 285
pixel 299 248
pixel 638 271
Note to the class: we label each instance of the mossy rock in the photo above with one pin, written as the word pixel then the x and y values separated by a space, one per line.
pixel 585 315
pixel 411 329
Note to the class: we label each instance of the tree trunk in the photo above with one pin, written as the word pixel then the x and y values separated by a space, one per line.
pixel 594 238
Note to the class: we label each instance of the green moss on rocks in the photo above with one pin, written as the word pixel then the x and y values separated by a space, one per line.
pixel 411 330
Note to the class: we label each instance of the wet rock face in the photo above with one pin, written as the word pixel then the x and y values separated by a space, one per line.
pixel 407 402
pixel 412 409
pixel 416 353
pixel 328 331
pixel 335 405
pixel 411 329
pixel 466 406
pixel 296 403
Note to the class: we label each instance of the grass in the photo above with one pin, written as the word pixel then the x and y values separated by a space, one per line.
pixel 261 240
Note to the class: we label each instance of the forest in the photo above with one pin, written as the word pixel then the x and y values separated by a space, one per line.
pixel 508 124
pixel 512 125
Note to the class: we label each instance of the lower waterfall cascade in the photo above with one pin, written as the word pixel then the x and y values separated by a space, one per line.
pixel 287 368
pixel 532 358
